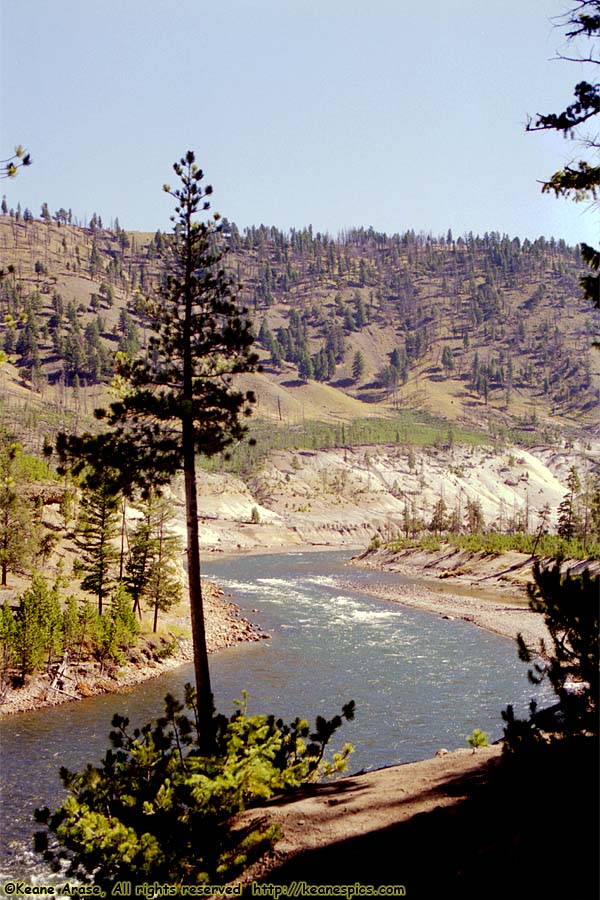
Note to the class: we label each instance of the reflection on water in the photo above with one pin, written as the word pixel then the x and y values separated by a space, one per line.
pixel 420 682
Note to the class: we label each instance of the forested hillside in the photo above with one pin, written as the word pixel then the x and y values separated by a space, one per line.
pixel 482 330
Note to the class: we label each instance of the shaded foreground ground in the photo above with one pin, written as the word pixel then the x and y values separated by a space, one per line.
pixel 465 824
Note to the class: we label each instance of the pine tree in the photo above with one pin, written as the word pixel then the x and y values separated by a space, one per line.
pixel 163 589
pixel 406 523
pixel 137 567
pixel 330 361
pixel 117 628
pixel 360 316
pixel 181 399
pixel 319 362
pixel 579 180
pixel 37 631
pixel 18 534
pixel 358 366
pixel 439 519
pixel 568 519
pixel 51 617
pixel 70 625
pixel 154 559
pixel 7 639
pixel 96 531
pixel 305 366
pixel 88 627
pixel 474 516
pixel 569 604
pixel 447 359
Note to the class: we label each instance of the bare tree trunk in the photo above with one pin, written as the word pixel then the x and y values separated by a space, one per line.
pixel 201 670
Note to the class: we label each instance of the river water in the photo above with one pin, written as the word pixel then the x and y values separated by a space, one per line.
pixel 419 682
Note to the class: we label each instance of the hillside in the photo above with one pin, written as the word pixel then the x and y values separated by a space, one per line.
pixel 487 331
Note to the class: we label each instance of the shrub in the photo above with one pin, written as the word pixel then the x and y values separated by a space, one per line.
pixel 479 738
pixel 494 544
pixel 118 628
pixel 37 635
pixel 7 639
pixel 571 664
pixel 157 809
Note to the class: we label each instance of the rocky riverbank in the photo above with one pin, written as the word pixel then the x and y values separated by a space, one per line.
pixel 152 655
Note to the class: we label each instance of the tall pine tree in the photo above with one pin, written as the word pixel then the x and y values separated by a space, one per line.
pixel 181 399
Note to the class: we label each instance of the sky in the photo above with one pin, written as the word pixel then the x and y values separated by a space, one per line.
pixel 334 113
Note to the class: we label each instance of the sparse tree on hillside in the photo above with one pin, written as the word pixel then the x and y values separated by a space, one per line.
pixel 447 359
pixel 399 361
pixel 474 519
pixel 305 366
pixel 568 518
pixel 181 399
pixel 439 519
pixel 358 366
pixel 406 523
pixel 360 315
pixel 319 362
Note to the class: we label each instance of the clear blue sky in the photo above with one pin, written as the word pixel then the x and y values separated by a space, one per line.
pixel 336 113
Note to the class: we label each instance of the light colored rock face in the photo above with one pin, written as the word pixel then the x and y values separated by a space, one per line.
pixel 344 496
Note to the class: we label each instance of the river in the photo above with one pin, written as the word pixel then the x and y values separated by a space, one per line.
pixel 419 682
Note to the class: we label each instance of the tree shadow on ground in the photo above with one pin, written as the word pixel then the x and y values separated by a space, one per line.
pixel 528 829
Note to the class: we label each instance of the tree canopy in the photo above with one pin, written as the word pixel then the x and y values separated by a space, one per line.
pixel 580 179
pixel 10 166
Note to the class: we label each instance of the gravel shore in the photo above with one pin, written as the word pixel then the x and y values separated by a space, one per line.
pixel 507 621
pixel 491 611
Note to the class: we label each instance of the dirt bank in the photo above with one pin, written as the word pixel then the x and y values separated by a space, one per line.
pixel 442 827
pixel 152 656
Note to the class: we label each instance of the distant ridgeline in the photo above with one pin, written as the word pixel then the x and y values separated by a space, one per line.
pixel 493 323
